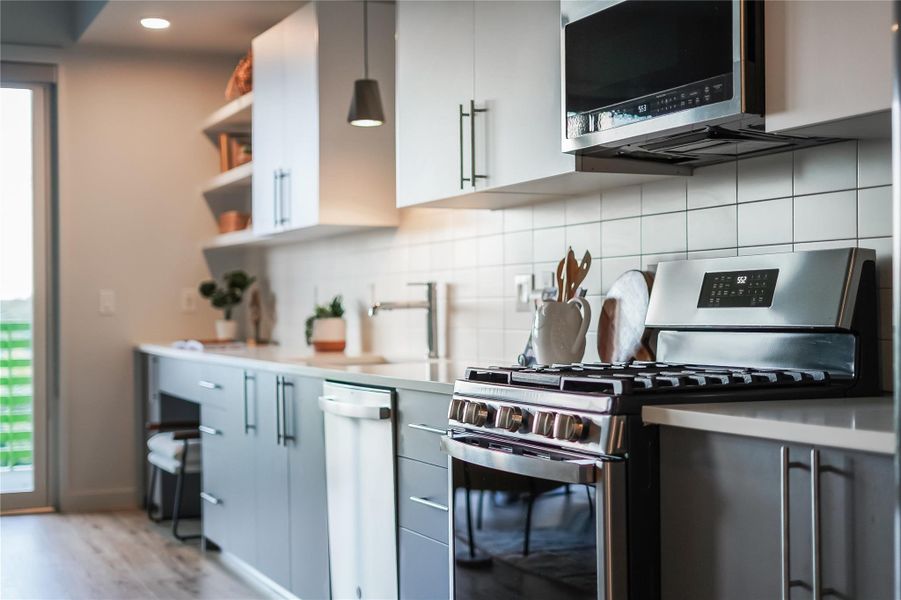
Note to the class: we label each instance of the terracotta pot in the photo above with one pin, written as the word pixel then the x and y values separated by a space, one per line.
pixel 329 335
pixel 233 220
pixel 226 330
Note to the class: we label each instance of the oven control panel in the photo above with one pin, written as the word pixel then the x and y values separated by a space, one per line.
pixel 738 289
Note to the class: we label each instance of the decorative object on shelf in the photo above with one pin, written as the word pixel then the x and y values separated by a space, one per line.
pixel 226 298
pixel 234 151
pixel 366 103
pixel 559 327
pixel 621 332
pixel 233 220
pixel 256 315
pixel 241 80
pixel 326 330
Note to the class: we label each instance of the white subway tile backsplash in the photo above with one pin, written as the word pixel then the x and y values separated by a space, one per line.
pixel 828 245
pixel 666 195
pixel 465 253
pixel 825 168
pixel 584 237
pixel 583 209
pixel 518 218
pixel 765 177
pixel 712 228
pixel 621 202
pixel 612 268
pixel 663 233
pixel 712 186
pixel 490 222
pixel 621 237
pixel 491 314
pixel 874 162
pixel 419 257
pixel 767 222
pixel 491 282
pixel 774 249
pixel 515 319
pixel 874 211
pixel 442 256
pixel 720 253
pixel 518 247
pixel 491 346
pixel 549 214
pixel 491 250
pixel 830 216
pixel 548 244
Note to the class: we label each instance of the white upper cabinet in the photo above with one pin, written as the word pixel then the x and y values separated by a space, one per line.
pixel 314 173
pixel 517 82
pixel 434 79
pixel 827 61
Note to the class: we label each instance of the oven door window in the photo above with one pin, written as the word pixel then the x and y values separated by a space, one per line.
pixel 517 536
pixel 639 59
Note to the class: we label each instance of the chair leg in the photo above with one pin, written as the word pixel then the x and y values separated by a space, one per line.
pixel 481 510
pixel 151 487
pixel 590 502
pixel 528 532
pixel 179 484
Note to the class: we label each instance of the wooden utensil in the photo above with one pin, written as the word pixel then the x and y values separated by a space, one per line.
pixel 572 271
pixel 560 274
pixel 581 274
pixel 621 332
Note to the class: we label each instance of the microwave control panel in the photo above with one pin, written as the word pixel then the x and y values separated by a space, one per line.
pixel 693 95
pixel 738 289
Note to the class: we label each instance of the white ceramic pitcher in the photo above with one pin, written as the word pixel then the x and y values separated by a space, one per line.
pixel 558 331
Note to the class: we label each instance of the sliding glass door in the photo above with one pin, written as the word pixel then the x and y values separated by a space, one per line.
pixel 24 281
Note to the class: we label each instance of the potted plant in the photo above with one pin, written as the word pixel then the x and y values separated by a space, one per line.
pixel 226 298
pixel 326 329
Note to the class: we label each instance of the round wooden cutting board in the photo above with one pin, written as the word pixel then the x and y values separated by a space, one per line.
pixel 621 332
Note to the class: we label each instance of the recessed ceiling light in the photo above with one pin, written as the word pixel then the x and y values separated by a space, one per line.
pixel 155 23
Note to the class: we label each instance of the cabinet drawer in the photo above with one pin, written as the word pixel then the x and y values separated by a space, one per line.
pixel 421 421
pixel 215 475
pixel 179 378
pixel 428 485
pixel 220 386
pixel 424 567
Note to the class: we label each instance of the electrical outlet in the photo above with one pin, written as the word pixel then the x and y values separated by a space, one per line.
pixel 188 300
pixel 523 284
pixel 107 306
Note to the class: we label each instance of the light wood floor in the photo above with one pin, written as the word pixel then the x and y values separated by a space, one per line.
pixel 113 555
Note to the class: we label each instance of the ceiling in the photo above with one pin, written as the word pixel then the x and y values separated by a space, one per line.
pixel 201 26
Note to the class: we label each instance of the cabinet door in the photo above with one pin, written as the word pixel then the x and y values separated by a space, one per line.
pixel 434 77
pixel 241 442
pixel 826 61
pixel 217 509
pixel 424 567
pixel 268 125
pixel 309 507
pixel 272 502
pixel 300 119
pixel 517 81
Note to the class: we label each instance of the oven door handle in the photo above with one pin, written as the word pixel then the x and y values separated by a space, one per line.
pixel 564 471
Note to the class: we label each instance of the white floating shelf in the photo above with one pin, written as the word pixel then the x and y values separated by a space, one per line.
pixel 234 239
pixel 234 117
pixel 230 182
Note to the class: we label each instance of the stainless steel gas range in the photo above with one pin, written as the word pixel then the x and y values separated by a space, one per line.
pixel 554 477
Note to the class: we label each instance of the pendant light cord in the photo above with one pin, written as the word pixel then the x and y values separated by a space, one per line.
pixel 365 39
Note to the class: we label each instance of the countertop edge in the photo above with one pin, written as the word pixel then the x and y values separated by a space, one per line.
pixel 335 374
pixel 772 429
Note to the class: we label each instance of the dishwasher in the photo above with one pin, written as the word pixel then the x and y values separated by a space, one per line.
pixel 360 480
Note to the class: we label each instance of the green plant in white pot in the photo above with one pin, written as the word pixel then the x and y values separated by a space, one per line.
pixel 326 330
pixel 226 298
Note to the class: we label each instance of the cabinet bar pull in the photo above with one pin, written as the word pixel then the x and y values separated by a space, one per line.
pixel 462 179
pixel 472 142
pixel 784 521
pixel 427 502
pixel 285 206
pixel 276 196
pixel 278 410
pixel 816 573
pixel 209 385
pixel 285 437
pixel 208 430
pixel 424 427
pixel 247 425
pixel 210 498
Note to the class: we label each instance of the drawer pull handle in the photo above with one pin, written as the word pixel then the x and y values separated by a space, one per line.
pixel 209 385
pixel 208 430
pixel 424 427
pixel 210 498
pixel 427 502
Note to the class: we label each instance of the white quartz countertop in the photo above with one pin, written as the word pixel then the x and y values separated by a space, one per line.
pixel 426 375
pixel 864 424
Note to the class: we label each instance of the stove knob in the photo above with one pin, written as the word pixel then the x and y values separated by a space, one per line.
pixel 509 418
pixel 568 427
pixel 543 424
pixel 475 413
pixel 455 410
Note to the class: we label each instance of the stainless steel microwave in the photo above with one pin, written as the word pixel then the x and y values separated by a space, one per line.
pixel 637 71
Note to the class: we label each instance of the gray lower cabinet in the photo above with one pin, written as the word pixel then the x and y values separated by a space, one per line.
pixel 424 567
pixel 721 519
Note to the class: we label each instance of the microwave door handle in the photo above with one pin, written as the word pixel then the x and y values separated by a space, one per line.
pixel 564 471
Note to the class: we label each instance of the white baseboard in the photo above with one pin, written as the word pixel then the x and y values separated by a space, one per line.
pixel 254 578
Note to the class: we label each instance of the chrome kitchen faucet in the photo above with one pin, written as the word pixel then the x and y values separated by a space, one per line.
pixel 431 306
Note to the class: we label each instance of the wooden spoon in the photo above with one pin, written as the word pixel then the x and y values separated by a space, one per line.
pixel 560 276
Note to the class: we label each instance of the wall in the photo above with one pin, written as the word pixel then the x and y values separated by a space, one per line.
pixel 830 196
pixel 131 163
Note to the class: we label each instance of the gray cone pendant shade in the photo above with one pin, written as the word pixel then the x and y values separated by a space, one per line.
pixel 366 104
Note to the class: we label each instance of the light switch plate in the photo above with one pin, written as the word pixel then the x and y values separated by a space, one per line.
pixel 524 284
pixel 188 300
pixel 107 306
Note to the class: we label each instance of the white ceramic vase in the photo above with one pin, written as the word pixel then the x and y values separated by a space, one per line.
pixel 329 335
pixel 226 330
pixel 558 331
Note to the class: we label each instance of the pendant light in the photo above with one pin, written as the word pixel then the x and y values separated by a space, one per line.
pixel 366 104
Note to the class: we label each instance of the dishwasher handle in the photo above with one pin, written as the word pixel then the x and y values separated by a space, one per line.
pixel 575 470
pixel 332 405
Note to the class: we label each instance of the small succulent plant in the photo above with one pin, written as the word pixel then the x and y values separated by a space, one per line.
pixel 230 295
pixel 335 309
